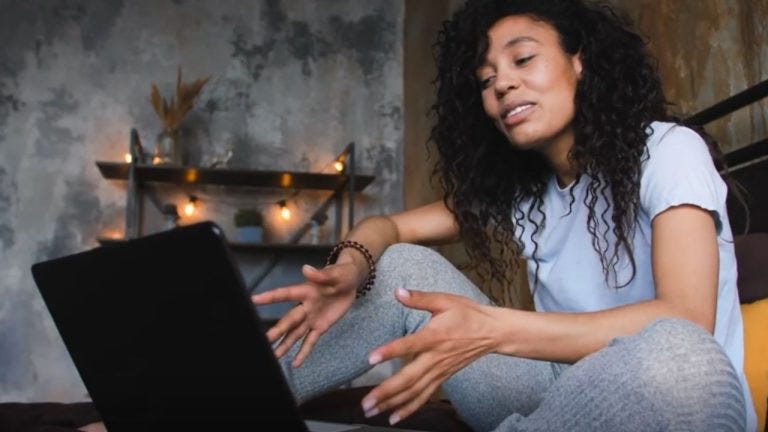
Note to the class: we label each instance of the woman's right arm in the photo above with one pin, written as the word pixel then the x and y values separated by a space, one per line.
pixel 427 225
pixel 327 293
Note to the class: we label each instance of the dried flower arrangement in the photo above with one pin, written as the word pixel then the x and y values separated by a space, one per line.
pixel 171 113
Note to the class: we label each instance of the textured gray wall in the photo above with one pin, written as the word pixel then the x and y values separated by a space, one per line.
pixel 293 81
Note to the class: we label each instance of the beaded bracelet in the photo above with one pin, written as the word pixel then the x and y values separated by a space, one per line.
pixel 334 255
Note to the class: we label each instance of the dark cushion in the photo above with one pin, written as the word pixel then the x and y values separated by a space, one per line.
pixel 343 406
pixel 752 264
pixel 46 417
pixel 338 406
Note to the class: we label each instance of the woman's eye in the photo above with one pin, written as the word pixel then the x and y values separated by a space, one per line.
pixel 485 82
pixel 523 60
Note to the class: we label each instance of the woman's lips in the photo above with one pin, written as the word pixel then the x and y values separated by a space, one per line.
pixel 517 114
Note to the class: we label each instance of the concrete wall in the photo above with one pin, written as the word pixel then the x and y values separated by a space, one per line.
pixel 292 82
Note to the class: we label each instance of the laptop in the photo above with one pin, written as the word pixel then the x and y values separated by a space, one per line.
pixel 164 335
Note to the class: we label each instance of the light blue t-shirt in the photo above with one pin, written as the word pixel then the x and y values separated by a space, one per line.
pixel 678 170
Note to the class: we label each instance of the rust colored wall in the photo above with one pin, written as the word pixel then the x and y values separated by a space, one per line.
pixel 707 51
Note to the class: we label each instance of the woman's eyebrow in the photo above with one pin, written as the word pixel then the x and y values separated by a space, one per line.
pixel 519 39
pixel 511 43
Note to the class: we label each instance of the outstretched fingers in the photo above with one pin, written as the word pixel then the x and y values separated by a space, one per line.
pixel 293 293
pixel 309 342
pixel 289 321
pixel 406 345
pixel 414 404
pixel 404 392
pixel 317 276
pixel 294 335
pixel 434 302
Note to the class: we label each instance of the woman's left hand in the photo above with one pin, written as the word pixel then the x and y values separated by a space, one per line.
pixel 459 332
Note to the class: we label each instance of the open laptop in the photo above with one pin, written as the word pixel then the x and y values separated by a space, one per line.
pixel 164 336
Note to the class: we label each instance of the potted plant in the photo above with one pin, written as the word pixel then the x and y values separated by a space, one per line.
pixel 249 225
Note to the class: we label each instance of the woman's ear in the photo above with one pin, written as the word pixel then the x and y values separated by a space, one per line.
pixel 576 63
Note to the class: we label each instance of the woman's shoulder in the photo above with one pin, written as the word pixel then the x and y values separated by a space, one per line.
pixel 670 140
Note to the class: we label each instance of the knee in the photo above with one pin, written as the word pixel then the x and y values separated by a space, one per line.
pixel 680 350
pixel 666 333
pixel 681 340
pixel 402 257
pixel 686 369
pixel 417 267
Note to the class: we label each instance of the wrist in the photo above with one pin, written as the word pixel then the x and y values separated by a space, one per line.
pixel 352 252
pixel 505 327
pixel 353 257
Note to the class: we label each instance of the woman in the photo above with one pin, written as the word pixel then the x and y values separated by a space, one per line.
pixel 553 140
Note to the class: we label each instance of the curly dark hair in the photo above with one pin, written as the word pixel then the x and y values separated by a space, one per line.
pixel 486 179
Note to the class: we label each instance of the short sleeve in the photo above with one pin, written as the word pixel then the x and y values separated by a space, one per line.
pixel 679 170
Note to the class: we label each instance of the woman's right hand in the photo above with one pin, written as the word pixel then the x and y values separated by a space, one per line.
pixel 323 298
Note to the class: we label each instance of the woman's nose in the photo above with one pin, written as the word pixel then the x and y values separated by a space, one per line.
pixel 506 82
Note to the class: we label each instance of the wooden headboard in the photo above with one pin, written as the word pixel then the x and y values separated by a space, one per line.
pixel 748 165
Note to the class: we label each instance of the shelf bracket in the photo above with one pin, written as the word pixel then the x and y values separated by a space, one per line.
pixel 320 215
pixel 134 200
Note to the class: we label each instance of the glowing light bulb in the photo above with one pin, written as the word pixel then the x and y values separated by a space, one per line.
pixel 285 213
pixel 190 175
pixel 128 158
pixel 191 206
pixel 339 166
pixel 285 181
pixel 112 234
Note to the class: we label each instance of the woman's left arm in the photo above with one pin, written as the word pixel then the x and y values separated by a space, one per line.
pixel 685 271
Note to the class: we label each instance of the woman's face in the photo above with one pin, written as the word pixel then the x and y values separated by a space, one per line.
pixel 529 83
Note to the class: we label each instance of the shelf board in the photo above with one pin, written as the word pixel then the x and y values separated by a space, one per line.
pixel 233 177
pixel 276 248
pixel 253 247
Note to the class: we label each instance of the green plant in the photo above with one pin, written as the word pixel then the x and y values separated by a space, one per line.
pixel 248 217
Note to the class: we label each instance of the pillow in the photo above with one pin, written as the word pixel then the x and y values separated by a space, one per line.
pixel 755 317
pixel 752 263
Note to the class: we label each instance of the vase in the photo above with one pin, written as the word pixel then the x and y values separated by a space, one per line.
pixel 168 149
pixel 250 234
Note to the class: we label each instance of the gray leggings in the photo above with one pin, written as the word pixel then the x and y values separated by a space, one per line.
pixel 671 376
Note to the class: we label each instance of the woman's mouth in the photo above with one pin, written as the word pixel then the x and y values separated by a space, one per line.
pixel 516 114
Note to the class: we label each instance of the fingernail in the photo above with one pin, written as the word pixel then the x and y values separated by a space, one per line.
pixel 404 293
pixel 371 413
pixel 374 358
pixel 368 403
pixel 310 267
pixel 394 418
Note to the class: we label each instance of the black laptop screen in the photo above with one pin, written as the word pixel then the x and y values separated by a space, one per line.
pixel 162 332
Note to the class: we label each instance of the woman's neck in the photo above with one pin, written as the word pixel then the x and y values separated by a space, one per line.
pixel 556 154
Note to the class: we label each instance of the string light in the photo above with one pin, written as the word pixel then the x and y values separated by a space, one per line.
pixel 191 206
pixel 285 212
